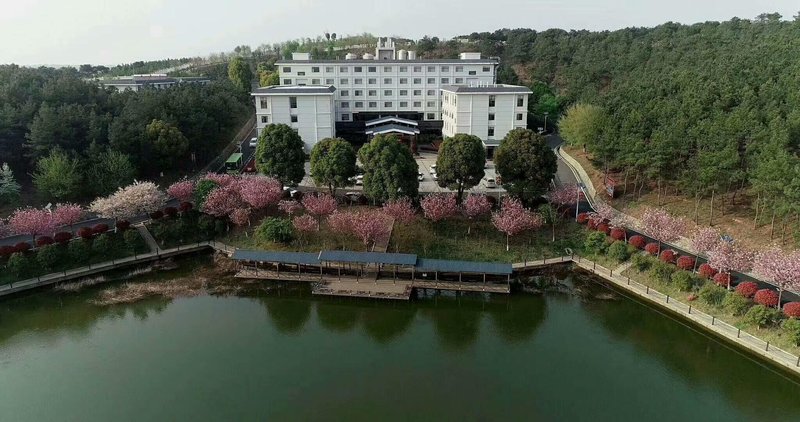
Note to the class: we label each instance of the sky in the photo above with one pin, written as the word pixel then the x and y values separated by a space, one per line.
pixel 70 32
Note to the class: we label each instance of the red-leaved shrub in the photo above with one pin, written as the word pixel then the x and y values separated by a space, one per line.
pixel 603 227
pixel 583 218
pixel 7 250
pixel 667 255
pixel 155 215
pixel 651 248
pixel 85 232
pixel 685 262
pixel 637 241
pixel 722 279
pixel 22 247
pixel 185 206
pixel 792 309
pixel 592 224
pixel 100 228
pixel 44 241
pixel 618 233
pixel 171 211
pixel 747 289
pixel 766 297
pixel 123 225
pixel 706 271
pixel 62 237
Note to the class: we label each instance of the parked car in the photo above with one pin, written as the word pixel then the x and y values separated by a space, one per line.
pixel 253 142
pixel 420 177
pixel 491 184
pixel 435 177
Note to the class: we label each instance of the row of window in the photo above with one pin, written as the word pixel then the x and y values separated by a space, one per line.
pixel 387 93
pixel 374 81
pixel 428 116
pixel 386 104
pixel 386 69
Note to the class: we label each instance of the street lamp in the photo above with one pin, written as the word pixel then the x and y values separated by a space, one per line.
pixel 578 199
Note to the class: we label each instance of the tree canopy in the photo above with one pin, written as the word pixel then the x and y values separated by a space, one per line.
pixel 280 154
pixel 526 164
pixel 460 163
pixel 240 74
pixel 390 171
pixel 333 163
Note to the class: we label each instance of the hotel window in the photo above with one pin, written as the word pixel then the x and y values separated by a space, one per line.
pixel 373 104
pixel 431 116
pixel 287 81
pixel 359 104
pixel 417 92
pixel 372 69
pixel 292 102
pixel 293 119
pixel 445 80
pixel 491 101
pixel 287 69
pixel 417 103
pixel 358 81
pixel 403 92
pixel 345 104
pixel 358 69
pixel 459 80
pixel 387 69
pixel 520 101
pixel 329 69
pixel 431 92
pixel 387 81
pixel 345 93
pixel 491 116
pixel 314 69
pixel 417 81
pixel 403 81
pixel 472 73
pixel 403 104
pixel 301 73
pixel 487 69
pixel 404 68
pixel 417 68
pixel 431 80
pixel 328 81
pixel 345 117
pixel 459 68
pixel 344 81
pixel 491 131
pixel 445 68
pixel 343 69
pixel 358 93
pixel 431 68
pixel 264 103
pixel 431 104
pixel 387 104
pixel 387 92
pixel 372 81
pixel 519 116
pixel 264 119
pixel 315 82
pixel 372 92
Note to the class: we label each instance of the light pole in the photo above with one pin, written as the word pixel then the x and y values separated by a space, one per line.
pixel 545 121
pixel 578 200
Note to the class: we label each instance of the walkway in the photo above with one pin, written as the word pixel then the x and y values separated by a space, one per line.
pixel 148 238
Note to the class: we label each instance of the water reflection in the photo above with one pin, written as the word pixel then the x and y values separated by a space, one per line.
pixel 384 323
pixel 517 321
pixel 288 314
pixel 337 316
pixel 456 320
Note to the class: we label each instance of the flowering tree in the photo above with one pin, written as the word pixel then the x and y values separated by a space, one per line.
pixel 370 226
pixel 289 207
pixel 305 223
pixel 67 215
pixel 513 218
pixel 31 221
pixel 439 206
pixel 319 205
pixel 224 200
pixel 182 191
pixel 259 191
pixel 221 179
pixel 240 216
pixel 705 239
pixel 565 196
pixel 475 206
pixel 728 256
pixel 779 267
pixel 340 222
pixel 661 225
pixel 402 210
pixel 136 199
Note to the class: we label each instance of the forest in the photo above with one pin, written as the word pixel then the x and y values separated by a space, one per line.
pixel 75 140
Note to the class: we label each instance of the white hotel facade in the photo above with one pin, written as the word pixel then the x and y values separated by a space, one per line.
pixel 365 91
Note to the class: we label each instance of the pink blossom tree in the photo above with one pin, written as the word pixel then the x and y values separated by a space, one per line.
pixel 182 191
pixel 305 223
pixel 661 225
pixel 224 200
pixel 221 179
pixel 475 206
pixel 439 206
pixel 289 207
pixel 240 217
pixel 31 221
pixel 139 198
pixel 340 222
pixel 565 196
pixel 319 205
pixel 259 191
pixel 705 239
pixel 402 210
pixel 67 215
pixel 779 267
pixel 370 226
pixel 513 219
pixel 728 256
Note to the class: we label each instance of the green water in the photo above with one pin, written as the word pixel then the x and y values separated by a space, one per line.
pixel 285 355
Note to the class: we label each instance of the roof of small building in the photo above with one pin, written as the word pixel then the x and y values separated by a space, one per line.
pixel 396 119
pixel 448 266
pixel 303 258
pixel 368 257
pixel 487 89
pixel 391 127
pixel 294 89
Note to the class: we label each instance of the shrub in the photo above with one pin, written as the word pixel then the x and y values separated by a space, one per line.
pixel 206 226
pixel 651 248
pixel 792 327
pixel 133 241
pixel 583 218
pixel 595 243
pixel 7 250
pixel 102 245
pixel 79 250
pixel 19 265
pixel 48 256
pixel 279 230
pixel 85 232
pixel 762 316
pixel 618 251
pixel 662 271
pixel 747 289
pixel 736 304
pixel 706 271
pixel 667 255
pixel 641 262
pixel 100 228
pixel 62 237
pixel 723 279
pixel 185 206
pixel 637 241
pixel 22 246
pixel 712 294
pixel 171 212
pixel 683 280
pixel 766 297
pixel 123 225
pixel 592 224
pixel 617 233
pixel 685 262
pixel 792 309
pixel 157 214
pixel 44 241
pixel 603 228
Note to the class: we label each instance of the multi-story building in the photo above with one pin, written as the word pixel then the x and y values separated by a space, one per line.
pixel 307 109
pixel 486 111
pixel 151 81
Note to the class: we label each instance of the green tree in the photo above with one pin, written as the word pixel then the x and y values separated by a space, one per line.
pixel 168 142
pixel 48 256
pixel 79 251
pixel 460 163
pixel 278 230
pixel 582 124
pixel 390 171
pixel 9 188
pixel 333 163
pixel 201 191
pixel 280 154
pixel 58 177
pixel 19 265
pixel 110 171
pixel 240 74
pixel 268 78
pixel 525 163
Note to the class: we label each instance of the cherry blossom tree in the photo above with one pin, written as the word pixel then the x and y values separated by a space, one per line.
pixel 565 196
pixel 340 222
pixel 402 210
pixel 305 223
pixel 240 216
pixel 260 191
pixel 182 191
pixel 31 221
pixel 139 198
pixel 661 225
pixel 475 206
pixel 67 215
pixel 439 206
pixel 319 205
pixel 371 226
pixel 728 256
pixel 705 239
pixel 224 200
pixel 221 179
pixel 513 219
pixel 779 267
pixel 289 207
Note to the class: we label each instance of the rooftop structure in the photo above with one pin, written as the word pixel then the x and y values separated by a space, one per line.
pixel 153 80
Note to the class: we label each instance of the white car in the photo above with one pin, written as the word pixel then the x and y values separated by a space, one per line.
pixel 435 177
pixel 491 184
pixel 253 142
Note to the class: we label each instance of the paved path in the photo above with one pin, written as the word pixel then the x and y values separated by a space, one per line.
pixel 151 241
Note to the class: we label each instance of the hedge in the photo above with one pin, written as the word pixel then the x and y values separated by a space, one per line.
pixel 722 279
pixel 766 297
pixel 62 237
pixel 651 248
pixel 792 309
pixel 618 233
pixel 685 262
pixel 637 241
pixel 667 255
pixel 706 271
pixel 747 289
pixel 100 228
pixel 85 232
